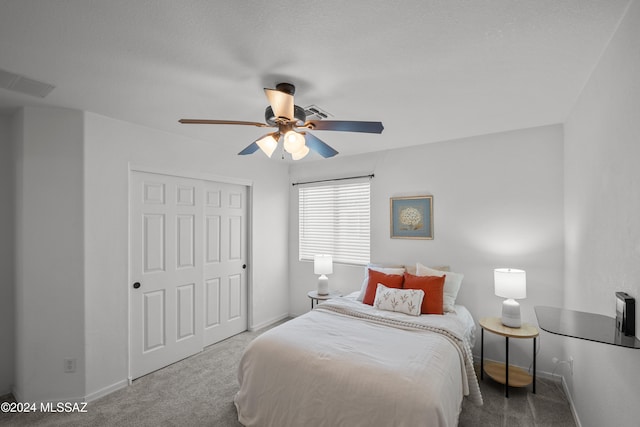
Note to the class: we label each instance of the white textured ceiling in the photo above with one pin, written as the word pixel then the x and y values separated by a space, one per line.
pixel 430 70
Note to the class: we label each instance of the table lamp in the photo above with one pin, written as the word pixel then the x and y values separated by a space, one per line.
pixel 510 283
pixel 323 264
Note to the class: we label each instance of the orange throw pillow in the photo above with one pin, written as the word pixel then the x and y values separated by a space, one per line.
pixel 375 277
pixel 433 287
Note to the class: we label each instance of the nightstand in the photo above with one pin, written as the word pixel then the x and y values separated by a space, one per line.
pixel 510 376
pixel 316 298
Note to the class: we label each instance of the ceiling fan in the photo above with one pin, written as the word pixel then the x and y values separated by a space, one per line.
pixel 292 126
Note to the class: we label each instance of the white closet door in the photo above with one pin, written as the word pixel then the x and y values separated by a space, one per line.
pixel 188 267
pixel 225 269
pixel 166 270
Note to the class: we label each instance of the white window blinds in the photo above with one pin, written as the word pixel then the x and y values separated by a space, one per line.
pixel 335 219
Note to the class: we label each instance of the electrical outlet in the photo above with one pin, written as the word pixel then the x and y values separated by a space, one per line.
pixel 70 365
pixel 559 363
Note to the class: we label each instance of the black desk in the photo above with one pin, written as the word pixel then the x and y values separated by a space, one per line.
pixel 586 326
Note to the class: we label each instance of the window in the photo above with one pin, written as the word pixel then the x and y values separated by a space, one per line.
pixel 335 219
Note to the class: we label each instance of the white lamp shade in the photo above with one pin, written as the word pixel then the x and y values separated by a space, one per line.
pixel 300 153
pixel 323 264
pixel 293 141
pixel 510 283
pixel 267 144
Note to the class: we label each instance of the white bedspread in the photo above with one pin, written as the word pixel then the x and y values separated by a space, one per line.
pixel 349 364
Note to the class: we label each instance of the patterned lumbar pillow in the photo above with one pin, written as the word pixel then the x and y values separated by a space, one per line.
pixel 406 301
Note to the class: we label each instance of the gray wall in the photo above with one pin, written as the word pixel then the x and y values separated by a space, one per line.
pixel 602 188
pixel 49 250
pixel 7 206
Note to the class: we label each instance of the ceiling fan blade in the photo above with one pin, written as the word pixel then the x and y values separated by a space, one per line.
pixel 281 103
pixel 250 149
pixel 220 122
pixel 318 146
pixel 345 126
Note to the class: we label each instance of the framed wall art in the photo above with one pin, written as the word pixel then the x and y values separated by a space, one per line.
pixel 412 217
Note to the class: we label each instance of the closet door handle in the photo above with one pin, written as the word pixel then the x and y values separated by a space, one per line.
pixel 136 285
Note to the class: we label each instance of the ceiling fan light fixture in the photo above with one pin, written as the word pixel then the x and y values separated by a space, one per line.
pixel 293 141
pixel 300 154
pixel 292 125
pixel 268 144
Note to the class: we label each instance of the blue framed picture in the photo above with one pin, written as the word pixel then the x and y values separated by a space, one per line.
pixel 412 217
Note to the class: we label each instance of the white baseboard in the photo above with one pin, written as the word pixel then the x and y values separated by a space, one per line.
pixel 270 322
pixel 88 398
pixel 106 390
pixel 560 379
pixel 18 397
pixel 571 405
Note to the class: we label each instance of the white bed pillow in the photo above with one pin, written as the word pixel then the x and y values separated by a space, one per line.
pixel 382 268
pixel 406 301
pixel 412 269
pixel 451 284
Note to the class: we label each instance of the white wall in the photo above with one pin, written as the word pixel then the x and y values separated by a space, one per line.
pixel 110 146
pixel 7 324
pixel 602 193
pixel 498 202
pixel 49 271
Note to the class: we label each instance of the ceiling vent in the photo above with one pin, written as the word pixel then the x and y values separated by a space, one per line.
pixel 314 112
pixel 22 84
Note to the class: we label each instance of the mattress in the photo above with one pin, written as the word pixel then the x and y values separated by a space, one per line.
pixel 349 364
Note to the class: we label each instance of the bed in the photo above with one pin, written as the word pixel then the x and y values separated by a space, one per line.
pixel 346 363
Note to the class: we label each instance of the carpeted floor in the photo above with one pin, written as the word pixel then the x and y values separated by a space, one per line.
pixel 199 391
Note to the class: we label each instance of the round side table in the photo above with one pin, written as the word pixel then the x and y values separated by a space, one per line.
pixel 316 297
pixel 510 376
